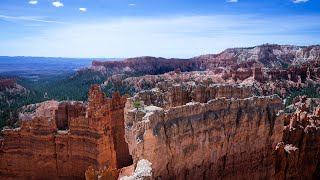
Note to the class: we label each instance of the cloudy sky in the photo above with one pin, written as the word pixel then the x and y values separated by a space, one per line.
pixel 168 28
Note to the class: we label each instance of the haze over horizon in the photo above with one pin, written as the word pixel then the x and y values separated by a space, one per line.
pixel 129 28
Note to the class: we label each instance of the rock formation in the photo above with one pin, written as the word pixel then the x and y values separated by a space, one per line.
pixel 267 81
pixel 167 95
pixel 298 155
pixel 268 55
pixel 231 138
pixel 207 117
pixel 143 171
pixel 186 130
pixel 102 174
pixel 63 139
pixel 265 56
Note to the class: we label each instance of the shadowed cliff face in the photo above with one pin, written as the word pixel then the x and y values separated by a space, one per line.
pixel 230 135
pixel 221 138
pixel 61 140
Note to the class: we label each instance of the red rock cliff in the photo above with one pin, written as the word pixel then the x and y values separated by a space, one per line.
pixel 94 136
pixel 298 155
pixel 222 138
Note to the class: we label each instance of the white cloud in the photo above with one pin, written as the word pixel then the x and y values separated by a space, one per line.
pixel 232 1
pixel 57 4
pixel 131 4
pixel 33 2
pixel 184 36
pixel 29 18
pixel 299 1
pixel 82 9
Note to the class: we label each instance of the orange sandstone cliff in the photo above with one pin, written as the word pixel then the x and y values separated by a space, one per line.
pixel 63 142
pixel 298 155
pixel 228 136
pixel 181 130
pixel 223 132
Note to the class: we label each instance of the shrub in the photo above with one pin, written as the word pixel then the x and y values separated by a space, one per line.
pixel 137 104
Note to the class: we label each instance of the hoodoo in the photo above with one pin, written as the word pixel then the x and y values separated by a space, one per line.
pixel 230 135
pixel 64 143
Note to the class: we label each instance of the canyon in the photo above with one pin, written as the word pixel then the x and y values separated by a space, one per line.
pixel 179 131
pixel 227 136
pixel 222 135
pixel 216 116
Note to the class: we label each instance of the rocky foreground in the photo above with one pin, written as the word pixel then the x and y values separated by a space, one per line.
pixel 177 132
pixel 61 140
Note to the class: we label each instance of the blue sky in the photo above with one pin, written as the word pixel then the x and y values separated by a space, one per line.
pixel 168 28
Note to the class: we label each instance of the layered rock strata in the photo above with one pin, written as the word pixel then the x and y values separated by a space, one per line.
pixel 265 81
pixel 221 138
pixel 61 143
pixel 167 95
pixel 268 55
pixel 298 155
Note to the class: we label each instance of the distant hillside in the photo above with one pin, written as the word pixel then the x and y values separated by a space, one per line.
pixel 271 56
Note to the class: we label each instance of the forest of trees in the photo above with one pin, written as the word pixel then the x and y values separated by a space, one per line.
pixel 69 87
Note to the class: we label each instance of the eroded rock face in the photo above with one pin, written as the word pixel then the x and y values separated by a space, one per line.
pixel 167 95
pixel 7 84
pixel 102 174
pixel 268 55
pixel 298 155
pixel 68 110
pixel 229 138
pixel 266 81
pixel 63 139
pixel 143 171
